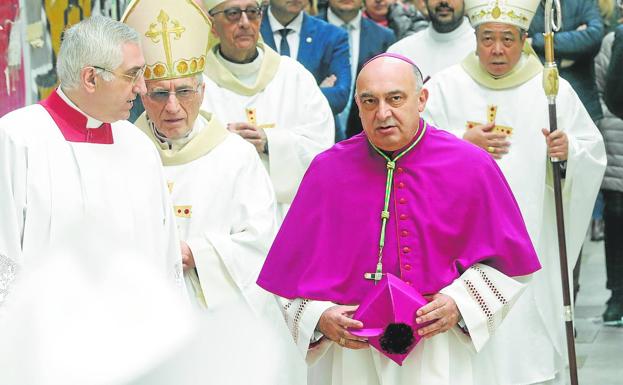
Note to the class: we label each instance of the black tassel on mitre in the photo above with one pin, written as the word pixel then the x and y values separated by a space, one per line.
pixel 397 338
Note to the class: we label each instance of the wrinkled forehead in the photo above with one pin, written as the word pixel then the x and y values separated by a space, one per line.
pixel 498 29
pixel 388 71
pixel 132 57
pixel 171 84
pixel 386 76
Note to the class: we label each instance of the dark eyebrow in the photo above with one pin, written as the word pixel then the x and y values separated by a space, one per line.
pixel 366 95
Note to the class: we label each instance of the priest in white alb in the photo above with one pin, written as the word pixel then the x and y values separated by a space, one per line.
pixel 445 42
pixel 271 101
pixel 70 165
pixel 495 99
pixel 223 199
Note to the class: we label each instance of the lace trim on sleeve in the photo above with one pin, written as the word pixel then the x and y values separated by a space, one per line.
pixel 493 289
pixel 476 295
pixel 8 271
pixel 293 313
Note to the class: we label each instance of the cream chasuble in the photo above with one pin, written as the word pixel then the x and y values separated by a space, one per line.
pixel 53 193
pixel 433 51
pixel 285 101
pixel 519 107
pixel 225 211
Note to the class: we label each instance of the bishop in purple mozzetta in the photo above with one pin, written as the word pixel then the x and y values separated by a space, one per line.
pixel 72 169
pixel 412 208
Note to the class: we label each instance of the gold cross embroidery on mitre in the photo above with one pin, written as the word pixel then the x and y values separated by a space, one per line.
pixel 491 113
pixel 155 35
pixel 252 119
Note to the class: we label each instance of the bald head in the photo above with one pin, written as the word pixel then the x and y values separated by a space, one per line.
pixel 390 98
pixel 397 58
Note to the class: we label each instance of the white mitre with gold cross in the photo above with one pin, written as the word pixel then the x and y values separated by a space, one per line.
pixel 515 12
pixel 174 36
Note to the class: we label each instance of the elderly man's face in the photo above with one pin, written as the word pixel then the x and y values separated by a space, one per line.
pixel 345 5
pixel 238 37
pixel 445 15
pixel 173 114
pixel 116 97
pixel 499 47
pixel 389 104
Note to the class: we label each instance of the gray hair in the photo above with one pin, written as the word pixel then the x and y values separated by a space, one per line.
pixel 95 41
pixel 419 80
pixel 199 78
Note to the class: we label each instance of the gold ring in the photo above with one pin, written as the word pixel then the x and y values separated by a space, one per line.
pixel 342 341
pixel 491 149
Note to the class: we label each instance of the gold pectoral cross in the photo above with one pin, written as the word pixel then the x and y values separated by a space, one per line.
pixel 164 33
pixel 491 113
pixel 252 119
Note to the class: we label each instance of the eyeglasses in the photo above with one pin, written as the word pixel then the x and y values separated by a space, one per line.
pixel 234 14
pixel 132 77
pixel 182 95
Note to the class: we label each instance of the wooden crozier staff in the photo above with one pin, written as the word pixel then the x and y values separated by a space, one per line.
pixel 550 85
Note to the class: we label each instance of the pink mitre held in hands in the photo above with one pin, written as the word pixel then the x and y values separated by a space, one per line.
pixel 388 317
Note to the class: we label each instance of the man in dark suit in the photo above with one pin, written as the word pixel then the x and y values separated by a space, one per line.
pixel 321 47
pixel 366 39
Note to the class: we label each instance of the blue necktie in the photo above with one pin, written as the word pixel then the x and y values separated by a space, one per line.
pixel 284 47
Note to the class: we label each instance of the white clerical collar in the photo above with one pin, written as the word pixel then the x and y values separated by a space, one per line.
pixel 242 70
pixel 465 27
pixel 177 144
pixel 91 121
pixel 296 24
pixel 335 20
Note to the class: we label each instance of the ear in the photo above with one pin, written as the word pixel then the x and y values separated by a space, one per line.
pixel 88 79
pixel 422 98
pixel 212 27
